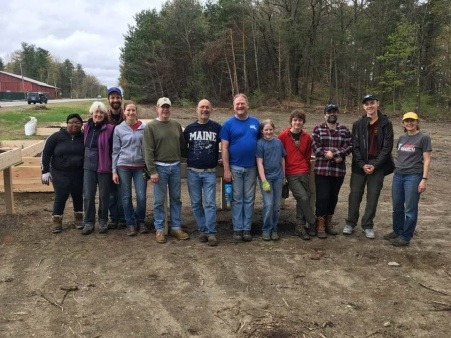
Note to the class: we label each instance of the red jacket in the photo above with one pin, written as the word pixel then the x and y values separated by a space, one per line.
pixel 297 160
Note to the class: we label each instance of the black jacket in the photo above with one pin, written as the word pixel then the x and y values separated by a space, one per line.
pixel 63 152
pixel 360 145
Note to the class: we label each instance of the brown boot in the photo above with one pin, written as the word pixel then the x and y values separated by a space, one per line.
pixel 321 227
pixel 78 219
pixel 57 224
pixel 329 227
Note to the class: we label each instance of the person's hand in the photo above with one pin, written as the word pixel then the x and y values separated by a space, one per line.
pixel 227 176
pixel 338 159
pixel 115 178
pixel 154 178
pixel 368 169
pixel 329 155
pixel 266 186
pixel 422 186
pixel 46 178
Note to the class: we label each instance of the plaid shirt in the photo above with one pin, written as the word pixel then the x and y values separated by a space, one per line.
pixel 339 141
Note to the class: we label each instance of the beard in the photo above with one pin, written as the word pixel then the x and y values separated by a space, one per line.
pixel 332 119
pixel 116 105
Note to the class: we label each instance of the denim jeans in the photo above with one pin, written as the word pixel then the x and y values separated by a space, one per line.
pixel 299 186
pixel 243 197
pixel 90 181
pixel 271 205
pixel 169 177
pixel 405 198
pixel 67 183
pixel 374 184
pixel 115 206
pixel 126 176
pixel 204 210
pixel 327 189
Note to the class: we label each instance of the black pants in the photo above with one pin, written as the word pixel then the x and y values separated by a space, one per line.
pixel 67 183
pixel 327 189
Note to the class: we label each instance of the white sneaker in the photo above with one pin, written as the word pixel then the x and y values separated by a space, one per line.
pixel 347 230
pixel 369 233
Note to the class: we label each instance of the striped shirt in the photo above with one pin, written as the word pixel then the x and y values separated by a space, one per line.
pixel 339 141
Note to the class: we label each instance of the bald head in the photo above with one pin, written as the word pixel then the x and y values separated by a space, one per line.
pixel 203 111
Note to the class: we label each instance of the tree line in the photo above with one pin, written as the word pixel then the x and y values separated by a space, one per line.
pixel 314 51
pixel 38 64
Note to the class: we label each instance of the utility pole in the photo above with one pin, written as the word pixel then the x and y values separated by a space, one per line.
pixel 23 86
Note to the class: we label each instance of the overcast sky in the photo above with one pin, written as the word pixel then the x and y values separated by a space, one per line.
pixel 88 32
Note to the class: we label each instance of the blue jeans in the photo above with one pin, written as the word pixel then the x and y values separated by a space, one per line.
pixel 204 211
pixel 243 197
pixel 90 181
pixel 405 197
pixel 271 205
pixel 115 206
pixel 169 176
pixel 126 176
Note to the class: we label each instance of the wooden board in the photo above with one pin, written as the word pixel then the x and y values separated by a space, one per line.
pixel 10 157
pixel 26 179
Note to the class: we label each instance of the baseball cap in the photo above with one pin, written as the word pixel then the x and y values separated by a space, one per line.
pixel 163 100
pixel 410 115
pixel 115 90
pixel 369 97
pixel 330 107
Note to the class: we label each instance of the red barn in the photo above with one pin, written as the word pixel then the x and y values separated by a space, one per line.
pixel 12 86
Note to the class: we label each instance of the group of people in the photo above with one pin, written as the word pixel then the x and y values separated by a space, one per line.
pixel 116 150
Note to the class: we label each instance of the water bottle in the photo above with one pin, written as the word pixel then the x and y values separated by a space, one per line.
pixel 228 193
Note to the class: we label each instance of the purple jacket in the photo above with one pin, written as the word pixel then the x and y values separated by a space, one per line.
pixel 103 146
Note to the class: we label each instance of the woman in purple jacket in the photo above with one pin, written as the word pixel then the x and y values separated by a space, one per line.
pixel 98 137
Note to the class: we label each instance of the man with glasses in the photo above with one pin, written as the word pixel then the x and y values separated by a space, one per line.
pixel 332 142
pixel 372 138
pixel 163 148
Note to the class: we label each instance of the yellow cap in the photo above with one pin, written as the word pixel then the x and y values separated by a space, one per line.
pixel 410 115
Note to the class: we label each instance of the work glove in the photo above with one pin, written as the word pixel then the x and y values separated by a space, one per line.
pixel 285 181
pixel 266 186
pixel 46 178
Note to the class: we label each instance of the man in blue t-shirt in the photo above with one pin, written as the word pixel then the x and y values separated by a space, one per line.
pixel 239 136
pixel 202 140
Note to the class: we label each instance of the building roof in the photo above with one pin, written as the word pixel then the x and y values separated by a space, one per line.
pixel 28 79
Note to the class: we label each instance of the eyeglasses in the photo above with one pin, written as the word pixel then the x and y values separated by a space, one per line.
pixel 76 123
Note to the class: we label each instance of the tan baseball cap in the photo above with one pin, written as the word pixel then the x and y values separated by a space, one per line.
pixel 163 100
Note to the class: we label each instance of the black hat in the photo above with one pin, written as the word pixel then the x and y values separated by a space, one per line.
pixel 369 97
pixel 330 107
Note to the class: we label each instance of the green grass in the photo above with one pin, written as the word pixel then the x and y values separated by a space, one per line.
pixel 13 119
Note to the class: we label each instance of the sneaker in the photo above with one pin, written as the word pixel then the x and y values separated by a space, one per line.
pixel 237 236
pixel 247 236
pixel 88 228
pixel 160 236
pixel 348 229
pixel 203 237
pixel 57 229
pixel 266 236
pixel 179 233
pixel 369 233
pixel 399 241
pixel 131 230
pixel 301 231
pixel 212 240
pixel 391 235
pixel 275 236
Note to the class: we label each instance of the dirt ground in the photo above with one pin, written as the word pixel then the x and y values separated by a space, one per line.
pixel 69 285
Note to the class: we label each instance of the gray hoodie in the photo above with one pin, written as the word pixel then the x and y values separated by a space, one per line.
pixel 127 146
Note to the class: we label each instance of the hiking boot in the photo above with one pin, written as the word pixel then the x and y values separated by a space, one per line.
pixel 103 228
pixel 212 240
pixel 121 224
pixel 311 230
pixel 160 236
pixel 321 227
pixel 112 224
pixel 399 241
pixel 369 233
pixel 266 236
pixel 131 230
pixel 238 236
pixel 391 235
pixel 57 224
pixel 203 237
pixel 143 228
pixel 348 229
pixel 301 231
pixel 78 219
pixel 329 227
pixel 87 229
pixel 275 236
pixel 247 236
pixel 179 233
